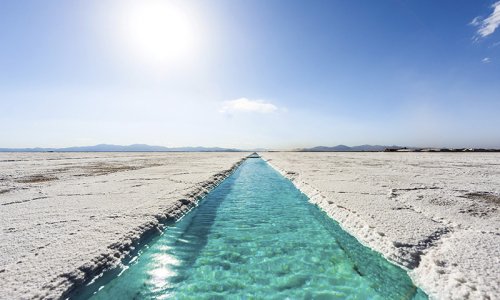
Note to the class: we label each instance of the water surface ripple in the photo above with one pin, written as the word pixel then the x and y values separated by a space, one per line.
pixel 255 236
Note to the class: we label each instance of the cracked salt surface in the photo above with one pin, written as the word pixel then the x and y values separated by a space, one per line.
pixel 435 214
pixel 64 217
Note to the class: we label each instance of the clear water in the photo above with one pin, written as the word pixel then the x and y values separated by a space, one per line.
pixel 255 236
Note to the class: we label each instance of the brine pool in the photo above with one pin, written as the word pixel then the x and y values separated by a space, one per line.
pixel 255 236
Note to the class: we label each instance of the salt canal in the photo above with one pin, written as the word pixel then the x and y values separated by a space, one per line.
pixel 254 236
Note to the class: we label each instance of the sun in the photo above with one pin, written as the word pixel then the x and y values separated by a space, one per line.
pixel 159 32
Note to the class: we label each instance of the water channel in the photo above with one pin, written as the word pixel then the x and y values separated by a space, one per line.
pixel 255 236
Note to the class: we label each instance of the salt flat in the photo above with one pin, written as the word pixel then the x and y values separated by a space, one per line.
pixel 66 216
pixel 435 214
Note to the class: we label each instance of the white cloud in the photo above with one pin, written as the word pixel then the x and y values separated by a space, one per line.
pixel 476 21
pixel 486 60
pixel 490 24
pixel 247 105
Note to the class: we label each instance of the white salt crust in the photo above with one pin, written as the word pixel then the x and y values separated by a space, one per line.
pixel 436 215
pixel 65 217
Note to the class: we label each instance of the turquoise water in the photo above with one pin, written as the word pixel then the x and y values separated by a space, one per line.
pixel 255 236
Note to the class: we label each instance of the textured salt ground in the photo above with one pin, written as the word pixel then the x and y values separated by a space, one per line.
pixel 435 214
pixel 66 216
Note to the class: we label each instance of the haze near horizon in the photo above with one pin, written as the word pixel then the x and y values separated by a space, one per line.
pixel 248 74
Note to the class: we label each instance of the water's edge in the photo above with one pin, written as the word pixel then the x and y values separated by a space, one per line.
pixel 313 195
pixel 119 252
pixel 153 232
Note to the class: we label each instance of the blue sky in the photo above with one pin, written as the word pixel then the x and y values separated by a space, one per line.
pixel 277 74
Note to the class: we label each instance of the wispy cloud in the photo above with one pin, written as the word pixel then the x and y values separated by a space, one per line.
pixel 476 21
pixel 490 24
pixel 486 60
pixel 247 105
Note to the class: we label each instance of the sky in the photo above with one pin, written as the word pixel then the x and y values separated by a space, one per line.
pixel 278 74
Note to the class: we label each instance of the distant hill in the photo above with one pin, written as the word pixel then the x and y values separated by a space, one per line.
pixel 120 148
pixel 344 148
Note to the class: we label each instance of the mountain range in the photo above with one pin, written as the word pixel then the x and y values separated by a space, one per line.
pixel 149 148
pixel 344 148
pixel 120 148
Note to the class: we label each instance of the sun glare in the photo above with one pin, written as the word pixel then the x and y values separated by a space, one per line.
pixel 159 32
